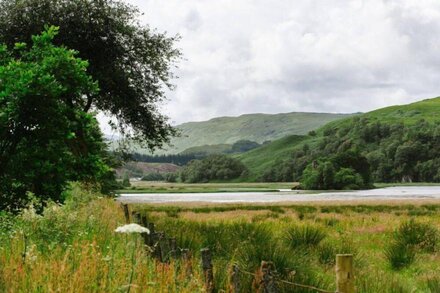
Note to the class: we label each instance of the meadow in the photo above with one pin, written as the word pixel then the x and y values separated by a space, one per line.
pixel 74 247
pixel 395 246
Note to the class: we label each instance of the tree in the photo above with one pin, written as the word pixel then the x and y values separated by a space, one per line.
pixel 131 62
pixel 213 167
pixel 39 148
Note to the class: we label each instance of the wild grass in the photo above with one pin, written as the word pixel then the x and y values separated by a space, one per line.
pixel 303 241
pixel 304 236
pixel 73 248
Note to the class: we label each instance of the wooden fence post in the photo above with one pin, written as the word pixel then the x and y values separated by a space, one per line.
pixel 152 232
pixel 234 279
pixel 173 247
pixel 344 273
pixel 186 257
pixel 208 271
pixel 126 212
pixel 164 244
pixel 146 236
pixel 157 236
pixel 268 284
pixel 136 217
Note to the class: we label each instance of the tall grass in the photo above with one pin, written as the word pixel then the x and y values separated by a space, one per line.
pixel 304 236
pixel 73 248
pixel 410 238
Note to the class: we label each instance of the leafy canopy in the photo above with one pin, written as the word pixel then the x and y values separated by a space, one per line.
pixel 45 137
pixel 132 63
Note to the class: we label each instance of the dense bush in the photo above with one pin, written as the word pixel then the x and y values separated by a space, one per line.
pixel 214 167
pixel 349 170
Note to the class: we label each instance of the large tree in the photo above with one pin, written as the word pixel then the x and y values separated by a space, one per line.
pixel 132 63
pixel 39 148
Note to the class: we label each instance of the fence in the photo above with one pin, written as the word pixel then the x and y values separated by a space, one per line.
pixel 165 248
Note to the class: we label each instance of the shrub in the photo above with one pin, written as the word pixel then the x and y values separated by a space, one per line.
pixel 419 235
pixel 298 236
pixel 400 255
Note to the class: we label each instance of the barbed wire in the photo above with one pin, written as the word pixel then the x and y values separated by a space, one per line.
pixel 290 283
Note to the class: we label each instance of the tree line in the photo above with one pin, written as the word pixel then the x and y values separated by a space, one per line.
pixel 375 151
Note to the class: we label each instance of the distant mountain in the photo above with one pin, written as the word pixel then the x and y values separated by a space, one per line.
pixel 253 127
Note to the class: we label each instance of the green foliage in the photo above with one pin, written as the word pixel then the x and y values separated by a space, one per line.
pixel 214 167
pixel 420 235
pixel 171 177
pixel 244 145
pixel 132 63
pixel 395 144
pixel 348 170
pixel 126 181
pixel 433 284
pixel 400 255
pixel 45 139
pixel 304 236
pixel 347 178
pixel 409 238
pixel 155 176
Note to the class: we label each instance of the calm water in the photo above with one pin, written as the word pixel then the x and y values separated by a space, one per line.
pixel 389 193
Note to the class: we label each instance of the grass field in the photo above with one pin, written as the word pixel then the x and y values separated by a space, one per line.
pixel 74 248
pixel 165 187
pixel 304 239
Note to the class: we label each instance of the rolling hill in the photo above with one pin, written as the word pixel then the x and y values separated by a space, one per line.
pixel 401 143
pixel 254 127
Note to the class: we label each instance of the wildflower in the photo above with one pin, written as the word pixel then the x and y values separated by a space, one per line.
pixel 132 228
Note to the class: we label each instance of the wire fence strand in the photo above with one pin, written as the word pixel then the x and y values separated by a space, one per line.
pixel 291 283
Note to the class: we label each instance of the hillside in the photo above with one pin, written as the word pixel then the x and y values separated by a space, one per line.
pixel 253 127
pixel 139 169
pixel 401 143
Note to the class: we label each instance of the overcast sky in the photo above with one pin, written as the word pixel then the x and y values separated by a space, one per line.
pixel 247 56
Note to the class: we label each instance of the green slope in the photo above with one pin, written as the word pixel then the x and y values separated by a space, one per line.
pixel 254 127
pixel 348 131
pixel 260 159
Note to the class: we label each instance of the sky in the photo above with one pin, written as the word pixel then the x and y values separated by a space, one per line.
pixel 339 56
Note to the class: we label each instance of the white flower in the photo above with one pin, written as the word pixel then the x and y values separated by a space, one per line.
pixel 132 228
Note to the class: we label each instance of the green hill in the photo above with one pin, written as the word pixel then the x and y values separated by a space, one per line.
pixel 401 143
pixel 253 127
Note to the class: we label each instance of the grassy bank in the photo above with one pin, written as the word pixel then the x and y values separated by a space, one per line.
pixel 302 241
pixel 74 248
pixel 165 187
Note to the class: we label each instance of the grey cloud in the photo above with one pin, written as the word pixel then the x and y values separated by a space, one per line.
pixel 281 56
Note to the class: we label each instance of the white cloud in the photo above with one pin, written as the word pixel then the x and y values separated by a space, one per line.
pixel 281 56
